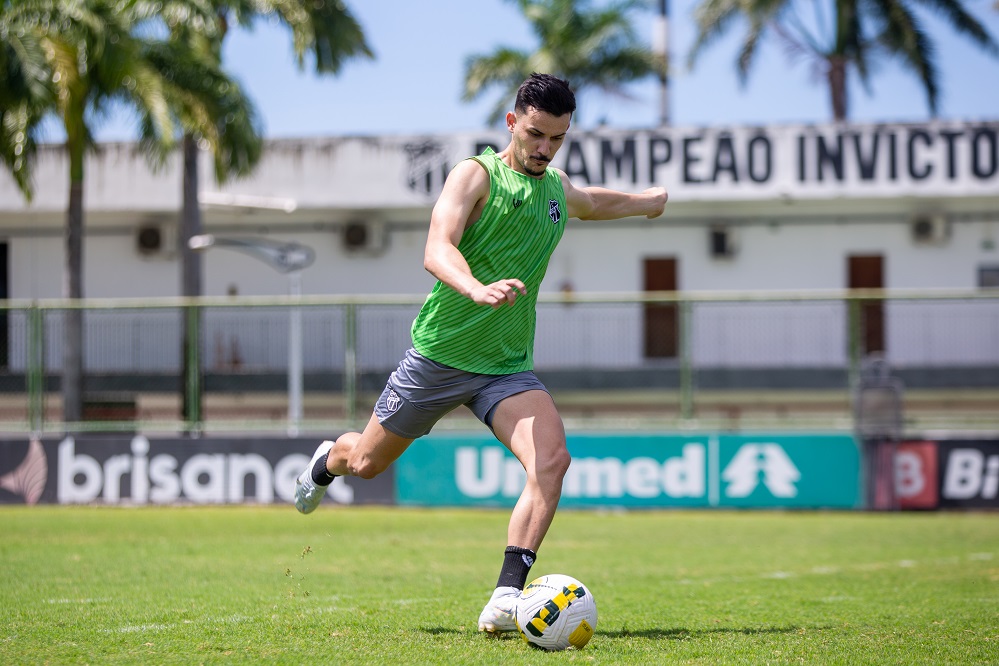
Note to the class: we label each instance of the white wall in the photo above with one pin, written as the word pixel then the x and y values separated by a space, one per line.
pixel 794 232
pixel 593 258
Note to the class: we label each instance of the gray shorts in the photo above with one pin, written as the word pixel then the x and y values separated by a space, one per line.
pixel 420 392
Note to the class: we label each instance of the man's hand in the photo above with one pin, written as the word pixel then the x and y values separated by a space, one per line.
pixel 498 293
pixel 659 198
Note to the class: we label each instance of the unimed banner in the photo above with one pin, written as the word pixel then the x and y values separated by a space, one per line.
pixel 629 470
pixel 134 469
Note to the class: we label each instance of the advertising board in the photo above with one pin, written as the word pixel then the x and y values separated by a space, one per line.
pixel 632 470
pixel 126 469
pixel 642 471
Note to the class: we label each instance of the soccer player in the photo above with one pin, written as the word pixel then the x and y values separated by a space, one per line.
pixel 492 231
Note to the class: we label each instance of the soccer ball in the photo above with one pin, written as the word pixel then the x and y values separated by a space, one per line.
pixel 556 612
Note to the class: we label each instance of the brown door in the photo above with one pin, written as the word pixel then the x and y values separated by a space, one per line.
pixel 867 272
pixel 661 320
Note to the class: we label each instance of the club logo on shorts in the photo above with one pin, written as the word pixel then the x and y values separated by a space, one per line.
pixel 392 401
pixel 554 212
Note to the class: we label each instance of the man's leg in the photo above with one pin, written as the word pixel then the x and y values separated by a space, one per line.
pixel 364 454
pixel 530 426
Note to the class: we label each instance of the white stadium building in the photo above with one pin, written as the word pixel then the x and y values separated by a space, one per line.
pixel 765 230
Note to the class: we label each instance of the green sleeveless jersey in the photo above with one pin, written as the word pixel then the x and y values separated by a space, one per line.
pixel 521 224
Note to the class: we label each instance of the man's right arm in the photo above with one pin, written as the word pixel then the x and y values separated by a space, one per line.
pixel 465 192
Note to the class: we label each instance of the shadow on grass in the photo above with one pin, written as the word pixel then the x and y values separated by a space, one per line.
pixel 451 631
pixel 676 634
pixel 442 631
pixel 679 633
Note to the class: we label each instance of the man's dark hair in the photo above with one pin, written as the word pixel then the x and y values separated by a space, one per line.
pixel 545 93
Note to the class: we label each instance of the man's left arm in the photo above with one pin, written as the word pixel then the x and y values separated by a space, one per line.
pixel 600 203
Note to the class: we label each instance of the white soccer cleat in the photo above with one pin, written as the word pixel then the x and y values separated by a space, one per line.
pixel 501 612
pixel 307 494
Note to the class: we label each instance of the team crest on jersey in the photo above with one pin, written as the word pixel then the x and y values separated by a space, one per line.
pixel 554 212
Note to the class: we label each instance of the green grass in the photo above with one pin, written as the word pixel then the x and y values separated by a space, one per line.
pixel 401 586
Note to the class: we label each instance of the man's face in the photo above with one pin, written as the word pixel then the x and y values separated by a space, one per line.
pixel 537 136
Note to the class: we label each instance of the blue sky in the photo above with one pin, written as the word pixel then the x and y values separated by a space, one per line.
pixel 414 84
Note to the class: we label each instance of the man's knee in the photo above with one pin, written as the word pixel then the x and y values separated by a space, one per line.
pixel 555 464
pixel 364 467
pixel 358 463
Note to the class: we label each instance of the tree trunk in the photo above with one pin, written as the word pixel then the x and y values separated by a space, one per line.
pixel 190 225
pixel 837 87
pixel 72 358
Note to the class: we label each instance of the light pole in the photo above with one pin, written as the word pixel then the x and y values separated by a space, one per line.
pixel 291 259
pixel 661 46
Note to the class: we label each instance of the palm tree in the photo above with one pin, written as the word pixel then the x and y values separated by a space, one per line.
pixel 74 59
pixel 592 48
pixel 77 58
pixel 846 37
pixel 327 32
pixel 205 102
pixel 26 92
pixel 214 114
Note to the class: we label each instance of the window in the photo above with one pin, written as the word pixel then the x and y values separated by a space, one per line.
pixel 988 277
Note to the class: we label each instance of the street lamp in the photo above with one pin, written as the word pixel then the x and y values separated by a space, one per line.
pixel 661 47
pixel 291 259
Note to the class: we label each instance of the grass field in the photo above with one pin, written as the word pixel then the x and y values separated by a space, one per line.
pixel 402 586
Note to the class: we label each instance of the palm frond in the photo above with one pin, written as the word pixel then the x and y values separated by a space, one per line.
pixel 207 103
pixel 326 32
pixel 859 31
pixel 901 34
pixel 593 48
pixel 964 23
pixel 18 144
pixel 713 19
pixel 504 69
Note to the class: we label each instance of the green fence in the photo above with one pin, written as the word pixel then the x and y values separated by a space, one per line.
pixel 681 361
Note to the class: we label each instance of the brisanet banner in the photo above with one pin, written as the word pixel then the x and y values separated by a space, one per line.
pixel 949 474
pixel 127 469
pixel 643 471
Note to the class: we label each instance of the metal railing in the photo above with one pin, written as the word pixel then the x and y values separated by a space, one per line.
pixel 677 360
